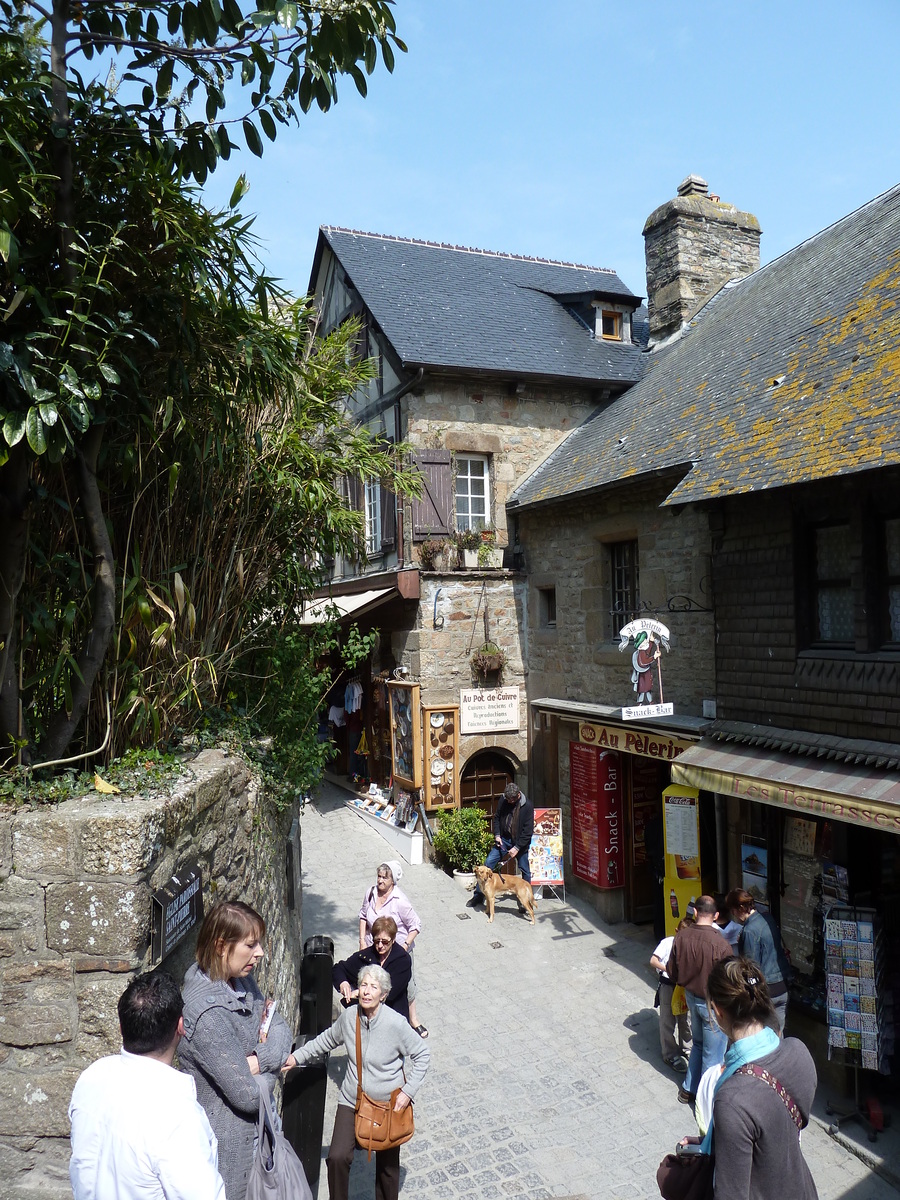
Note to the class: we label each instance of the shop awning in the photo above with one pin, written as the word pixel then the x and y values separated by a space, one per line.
pixel 324 609
pixel 804 785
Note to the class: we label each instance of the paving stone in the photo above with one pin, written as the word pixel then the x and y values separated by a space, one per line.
pixel 584 1113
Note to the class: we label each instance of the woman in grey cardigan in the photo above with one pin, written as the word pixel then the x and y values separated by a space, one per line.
pixel 393 1056
pixel 224 1047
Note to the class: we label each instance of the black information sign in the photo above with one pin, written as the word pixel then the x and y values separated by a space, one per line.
pixel 175 909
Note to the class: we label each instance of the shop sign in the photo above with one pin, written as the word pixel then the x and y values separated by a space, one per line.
pixel 598 851
pixel 868 813
pixel 648 745
pixel 175 909
pixel 647 637
pixel 489 710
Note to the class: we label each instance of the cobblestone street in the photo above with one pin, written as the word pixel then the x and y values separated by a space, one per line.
pixel 545 1077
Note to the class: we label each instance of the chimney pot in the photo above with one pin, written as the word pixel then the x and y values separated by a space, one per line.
pixel 694 185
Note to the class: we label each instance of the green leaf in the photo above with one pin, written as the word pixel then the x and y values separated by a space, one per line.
pixel 49 414
pixel 254 142
pixel 268 124
pixel 261 19
pixel 34 430
pixel 110 374
pixel 388 55
pixel 371 56
pixel 14 428
pixel 287 15
pixel 164 78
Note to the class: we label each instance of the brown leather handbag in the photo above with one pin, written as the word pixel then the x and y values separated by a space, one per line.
pixel 378 1127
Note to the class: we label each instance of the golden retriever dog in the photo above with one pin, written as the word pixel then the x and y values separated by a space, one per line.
pixel 493 885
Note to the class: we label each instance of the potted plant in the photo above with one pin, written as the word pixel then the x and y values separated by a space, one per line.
pixel 488 554
pixel 468 543
pixel 463 838
pixel 489 659
pixel 432 554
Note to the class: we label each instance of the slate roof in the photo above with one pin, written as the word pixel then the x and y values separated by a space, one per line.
pixel 791 375
pixel 448 307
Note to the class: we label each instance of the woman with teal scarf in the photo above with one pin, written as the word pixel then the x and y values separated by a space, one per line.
pixel 753 1134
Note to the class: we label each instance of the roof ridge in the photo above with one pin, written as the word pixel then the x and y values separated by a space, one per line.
pixel 410 241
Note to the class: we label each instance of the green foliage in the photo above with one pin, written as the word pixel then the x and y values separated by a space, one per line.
pixel 181 60
pixel 464 837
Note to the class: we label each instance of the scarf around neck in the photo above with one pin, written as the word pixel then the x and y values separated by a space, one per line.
pixel 744 1050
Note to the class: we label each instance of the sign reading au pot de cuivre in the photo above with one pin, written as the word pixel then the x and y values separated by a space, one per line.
pixel 175 909
pixel 488 710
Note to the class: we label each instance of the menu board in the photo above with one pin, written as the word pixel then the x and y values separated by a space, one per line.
pixel 597 827
pixel 584 767
pixel 441 736
pixel 406 734
pixel 545 855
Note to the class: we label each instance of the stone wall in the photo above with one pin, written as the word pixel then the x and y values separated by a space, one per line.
pixel 518 430
pixel 567 548
pixel 439 656
pixel 75 896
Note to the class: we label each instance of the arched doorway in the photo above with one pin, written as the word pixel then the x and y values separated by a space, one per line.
pixel 485 776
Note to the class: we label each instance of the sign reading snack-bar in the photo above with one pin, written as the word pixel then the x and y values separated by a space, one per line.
pixel 489 710
pixel 175 909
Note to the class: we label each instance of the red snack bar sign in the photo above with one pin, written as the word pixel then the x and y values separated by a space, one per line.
pixel 598 854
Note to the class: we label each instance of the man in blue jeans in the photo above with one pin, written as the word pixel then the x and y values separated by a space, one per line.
pixel 695 951
pixel 513 830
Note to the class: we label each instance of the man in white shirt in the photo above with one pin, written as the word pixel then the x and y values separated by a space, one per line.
pixel 138 1132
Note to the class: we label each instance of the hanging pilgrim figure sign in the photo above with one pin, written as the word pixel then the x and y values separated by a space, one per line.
pixel 647 638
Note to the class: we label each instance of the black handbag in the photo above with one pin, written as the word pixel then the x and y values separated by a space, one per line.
pixel 686 1177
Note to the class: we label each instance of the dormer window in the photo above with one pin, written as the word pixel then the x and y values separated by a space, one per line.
pixel 611 325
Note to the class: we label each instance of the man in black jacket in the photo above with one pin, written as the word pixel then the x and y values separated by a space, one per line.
pixel 513 830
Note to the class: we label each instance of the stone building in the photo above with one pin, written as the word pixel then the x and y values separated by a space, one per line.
pixel 755 473
pixel 605 546
pixel 485 362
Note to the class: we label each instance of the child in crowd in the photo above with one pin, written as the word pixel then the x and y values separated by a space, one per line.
pixel 674 1024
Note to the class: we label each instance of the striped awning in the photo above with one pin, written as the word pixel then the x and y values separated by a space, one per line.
pixel 807 786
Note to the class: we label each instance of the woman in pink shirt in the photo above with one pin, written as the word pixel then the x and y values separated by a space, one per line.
pixel 386 900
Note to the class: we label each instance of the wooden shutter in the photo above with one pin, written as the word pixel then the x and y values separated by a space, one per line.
pixel 433 513
pixel 355 493
pixel 388 519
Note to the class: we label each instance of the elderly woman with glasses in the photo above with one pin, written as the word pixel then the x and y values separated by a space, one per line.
pixel 386 900
pixel 384 952
pixel 392 1057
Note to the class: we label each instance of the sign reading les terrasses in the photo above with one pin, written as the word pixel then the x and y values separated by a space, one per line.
pixel 176 908
pixel 488 710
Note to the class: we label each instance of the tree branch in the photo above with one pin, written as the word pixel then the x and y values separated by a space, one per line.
pixel 90 660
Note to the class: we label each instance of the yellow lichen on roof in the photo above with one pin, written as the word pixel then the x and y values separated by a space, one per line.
pixel 837 406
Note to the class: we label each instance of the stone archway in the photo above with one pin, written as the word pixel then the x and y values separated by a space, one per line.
pixel 484 777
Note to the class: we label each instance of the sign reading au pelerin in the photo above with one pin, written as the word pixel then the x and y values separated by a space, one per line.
pixel 175 909
pixel 488 710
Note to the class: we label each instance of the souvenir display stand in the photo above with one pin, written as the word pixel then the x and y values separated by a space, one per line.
pixel 860 1023
pixel 441 737
pixel 406 734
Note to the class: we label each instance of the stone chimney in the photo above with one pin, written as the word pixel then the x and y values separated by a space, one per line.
pixel 693 245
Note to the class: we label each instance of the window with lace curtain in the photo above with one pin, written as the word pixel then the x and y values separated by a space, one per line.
pixel 832 617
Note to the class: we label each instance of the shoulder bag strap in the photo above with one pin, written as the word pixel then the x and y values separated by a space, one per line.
pixel 767 1077
pixel 358 1059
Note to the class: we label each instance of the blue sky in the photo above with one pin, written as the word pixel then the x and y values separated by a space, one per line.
pixel 554 129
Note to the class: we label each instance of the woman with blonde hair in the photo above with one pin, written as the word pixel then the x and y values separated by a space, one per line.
pixel 226 1043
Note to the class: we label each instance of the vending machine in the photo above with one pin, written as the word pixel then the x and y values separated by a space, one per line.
pixel 684 876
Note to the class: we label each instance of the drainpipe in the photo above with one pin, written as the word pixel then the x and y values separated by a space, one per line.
pixel 401 543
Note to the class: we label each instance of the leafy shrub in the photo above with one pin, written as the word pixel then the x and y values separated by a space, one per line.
pixel 464 837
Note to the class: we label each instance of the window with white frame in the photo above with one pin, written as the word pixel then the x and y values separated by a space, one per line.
pixel 473 491
pixel 373 516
